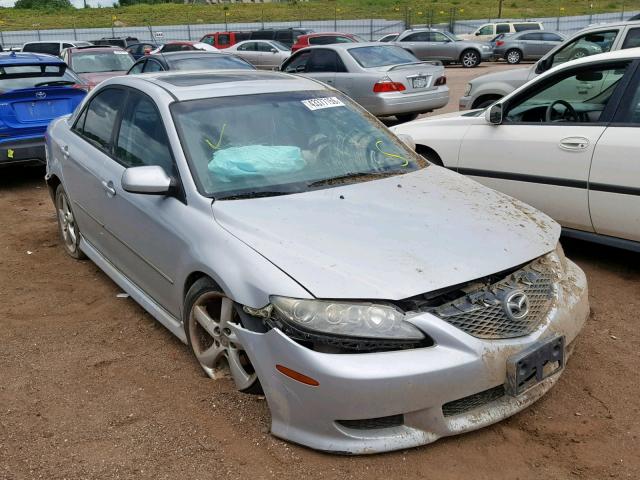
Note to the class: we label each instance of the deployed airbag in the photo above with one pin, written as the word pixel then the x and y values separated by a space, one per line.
pixel 251 160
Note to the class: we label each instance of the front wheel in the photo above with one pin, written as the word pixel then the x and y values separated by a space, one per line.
pixel 470 59
pixel 67 226
pixel 514 56
pixel 407 117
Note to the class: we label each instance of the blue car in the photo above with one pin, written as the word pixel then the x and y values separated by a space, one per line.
pixel 34 89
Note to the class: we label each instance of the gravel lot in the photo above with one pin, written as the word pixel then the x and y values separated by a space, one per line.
pixel 92 387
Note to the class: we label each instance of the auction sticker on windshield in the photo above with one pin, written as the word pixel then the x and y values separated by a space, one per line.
pixel 320 103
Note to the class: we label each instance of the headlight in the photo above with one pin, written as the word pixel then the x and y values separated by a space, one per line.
pixel 354 320
pixel 467 90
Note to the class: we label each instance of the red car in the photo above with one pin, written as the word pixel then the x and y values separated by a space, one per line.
pixel 324 39
pixel 95 64
pixel 225 39
pixel 183 46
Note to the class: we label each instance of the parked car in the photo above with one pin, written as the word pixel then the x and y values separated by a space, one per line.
pixel 183 46
pixel 564 143
pixel 286 36
pixel 95 64
pixel 429 44
pixel 190 60
pixel 52 48
pixel 486 89
pixel 139 50
pixel 34 89
pixel 526 45
pixel 122 42
pixel 325 38
pixel 265 54
pixel 490 30
pixel 225 39
pixel 389 37
pixel 317 255
pixel 384 79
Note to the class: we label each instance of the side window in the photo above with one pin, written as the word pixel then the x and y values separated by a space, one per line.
pixel 503 28
pixel 209 39
pixel 585 45
pixel 248 47
pixel 521 27
pixel 173 47
pixel 264 47
pixel 532 36
pixel 100 117
pixel 633 39
pixel 142 139
pixel 67 45
pixel 416 37
pixel 576 96
pixel 297 63
pixel 137 68
pixel 284 35
pixel 152 66
pixel 52 48
pixel 439 37
pixel 551 37
pixel 223 39
pixel 325 61
pixel 486 30
pixel 78 126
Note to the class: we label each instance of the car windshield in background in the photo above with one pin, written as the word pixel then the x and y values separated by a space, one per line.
pixel 208 62
pixel 381 56
pixel 284 143
pixel 30 76
pixel 94 62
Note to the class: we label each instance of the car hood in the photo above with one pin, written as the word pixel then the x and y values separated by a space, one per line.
pixel 96 78
pixel 515 77
pixel 391 238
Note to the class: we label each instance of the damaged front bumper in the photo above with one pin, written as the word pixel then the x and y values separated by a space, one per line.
pixel 376 402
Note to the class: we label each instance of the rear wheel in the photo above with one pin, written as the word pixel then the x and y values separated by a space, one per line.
pixel 407 117
pixel 514 56
pixel 67 226
pixel 209 318
pixel 470 59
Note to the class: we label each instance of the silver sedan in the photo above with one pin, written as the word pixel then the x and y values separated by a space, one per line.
pixel 526 45
pixel 263 54
pixel 384 79
pixel 284 234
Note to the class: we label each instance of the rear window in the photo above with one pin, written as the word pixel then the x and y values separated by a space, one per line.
pixel 381 56
pixel 329 39
pixel 52 48
pixel 30 76
pixel 521 27
pixel 106 61
pixel 213 62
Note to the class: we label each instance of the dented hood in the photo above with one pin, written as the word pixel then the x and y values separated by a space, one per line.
pixel 391 238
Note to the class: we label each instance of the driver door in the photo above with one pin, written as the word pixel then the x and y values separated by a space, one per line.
pixel 545 162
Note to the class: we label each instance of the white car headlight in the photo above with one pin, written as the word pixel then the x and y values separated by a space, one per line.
pixel 467 90
pixel 360 320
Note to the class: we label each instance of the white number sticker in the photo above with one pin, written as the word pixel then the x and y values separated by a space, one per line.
pixel 320 103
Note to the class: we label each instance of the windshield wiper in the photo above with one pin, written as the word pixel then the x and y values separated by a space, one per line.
pixel 352 175
pixel 256 194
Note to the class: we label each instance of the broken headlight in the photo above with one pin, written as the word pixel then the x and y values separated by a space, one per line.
pixel 354 326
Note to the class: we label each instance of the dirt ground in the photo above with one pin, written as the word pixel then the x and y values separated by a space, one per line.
pixel 91 387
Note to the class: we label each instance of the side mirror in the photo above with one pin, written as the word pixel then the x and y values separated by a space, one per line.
pixel 150 180
pixel 407 140
pixel 493 115
pixel 543 64
pixel 477 34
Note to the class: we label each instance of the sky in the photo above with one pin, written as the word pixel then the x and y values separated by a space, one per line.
pixel 77 3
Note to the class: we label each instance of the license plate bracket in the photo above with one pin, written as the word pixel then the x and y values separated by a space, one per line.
pixel 537 362
pixel 419 82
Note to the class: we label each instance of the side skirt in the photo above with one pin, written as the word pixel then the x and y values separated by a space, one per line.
pixel 602 239
pixel 146 302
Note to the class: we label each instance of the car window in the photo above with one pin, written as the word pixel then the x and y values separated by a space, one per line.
pixel 285 35
pixel 389 38
pixel 209 39
pixel 67 45
pixel 101 117
pixel 52 48
pixel 381 56
pixel 576 96
pixel 265 47
pixel 102 61
pixel 223 39
pixel 210 62
pixel 416 37
pixel 240 36
pixel 174 47
pixel 521 27
pixel 29 76
pixel 503 28
pixel 262 35
pixel 632 39
pixel 142 139
pixel 325 61
pixel 438 37
pixel 152 66
pixel 551 37
pixel 248 47
pixel 531 36
pixel 630 107
pixel 137 68
pixel 297 63
pixel 584 46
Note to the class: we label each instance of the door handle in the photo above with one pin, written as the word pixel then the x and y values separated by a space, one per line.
pixel 109 188
pixel 574 144
pixel 65 150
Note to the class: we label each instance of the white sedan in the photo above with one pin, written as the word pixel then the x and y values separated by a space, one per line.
pixel 566 143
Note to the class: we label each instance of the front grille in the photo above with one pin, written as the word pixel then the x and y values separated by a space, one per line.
pixel 476 400
pixel 373 423
pixel 483 314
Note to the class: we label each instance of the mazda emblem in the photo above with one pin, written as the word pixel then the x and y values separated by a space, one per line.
pixel 516 305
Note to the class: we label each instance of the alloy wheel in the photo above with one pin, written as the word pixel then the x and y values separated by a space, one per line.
pixel 470 59
pixel 68 226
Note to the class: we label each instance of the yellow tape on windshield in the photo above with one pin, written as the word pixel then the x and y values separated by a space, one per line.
pixel 391 155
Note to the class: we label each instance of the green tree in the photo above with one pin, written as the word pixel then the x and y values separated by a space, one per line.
pixel 44 4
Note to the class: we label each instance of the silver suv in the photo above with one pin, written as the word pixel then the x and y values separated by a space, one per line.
pixel 485 90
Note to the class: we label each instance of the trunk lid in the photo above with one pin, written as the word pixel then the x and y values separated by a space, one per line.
pixel 416 77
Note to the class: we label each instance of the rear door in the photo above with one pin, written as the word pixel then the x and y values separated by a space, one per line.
pixel 534 45
pixel 441 47
pixel 418 43
pixel 614 182
pixel 249 51
pixel 324 65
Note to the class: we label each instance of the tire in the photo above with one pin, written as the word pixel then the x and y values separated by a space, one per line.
pixel 407 117
pixel 513 56
pixel 207 313
pixel 470 58
pixel 67 226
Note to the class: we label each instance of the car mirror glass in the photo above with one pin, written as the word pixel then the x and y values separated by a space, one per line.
pixel 493 114
pixel 150 180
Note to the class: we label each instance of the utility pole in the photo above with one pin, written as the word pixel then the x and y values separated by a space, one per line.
pixel 500 8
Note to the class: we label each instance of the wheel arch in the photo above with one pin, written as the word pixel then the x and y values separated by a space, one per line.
pixel 431 153
pixel 52 182
pixel 485 97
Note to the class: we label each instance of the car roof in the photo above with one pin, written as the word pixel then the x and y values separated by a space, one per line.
pixel 222 83
pixel 349 46
pixel 96 48
pixel 22 58
pixel 322 34
pixel 189 53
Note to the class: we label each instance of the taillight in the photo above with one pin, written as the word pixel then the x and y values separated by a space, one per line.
pixel 499 43
pixel 388 86
pixel 440 81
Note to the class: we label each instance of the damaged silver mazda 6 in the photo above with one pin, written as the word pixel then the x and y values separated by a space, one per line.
pixel 378 301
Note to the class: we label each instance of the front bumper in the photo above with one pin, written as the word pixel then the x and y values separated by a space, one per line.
pixel 392 103
pixel 413 385
pixel 23 152
pixel 486 55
